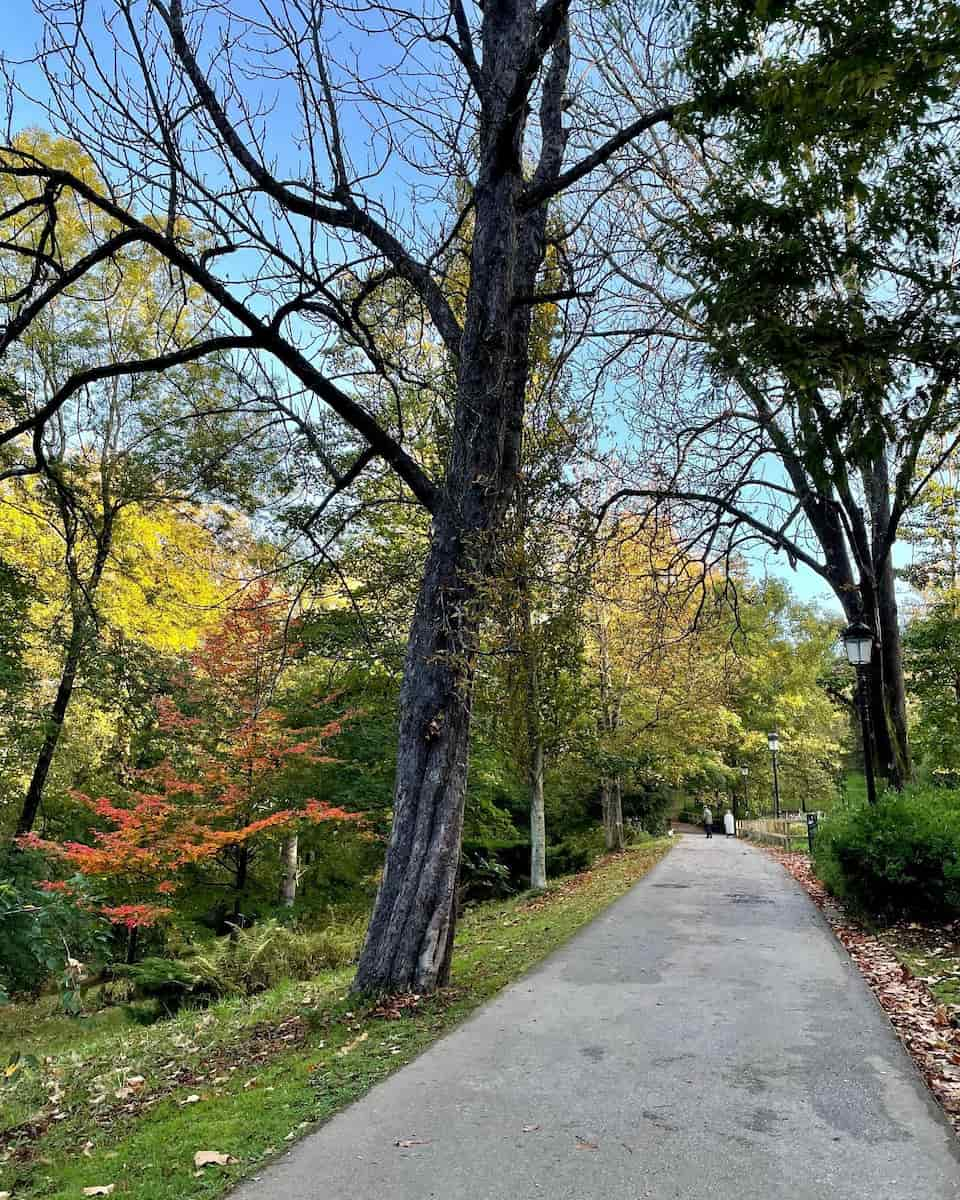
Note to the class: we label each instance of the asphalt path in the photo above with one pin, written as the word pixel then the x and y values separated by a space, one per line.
pixel 706 1038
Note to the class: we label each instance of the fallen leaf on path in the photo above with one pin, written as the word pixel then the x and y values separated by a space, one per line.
pixel 212 1158
pixel 583 1144
pixel 530 1128
pixel 408 1142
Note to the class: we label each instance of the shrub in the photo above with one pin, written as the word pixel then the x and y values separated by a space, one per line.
pixel 484 877
pixel 575 853
pixel 647 804
pixel 493 868
pixel 45 934
pixel 899 857
pixel 252 960
pixel 163 979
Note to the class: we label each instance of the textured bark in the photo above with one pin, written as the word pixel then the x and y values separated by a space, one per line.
pixel 617 813
pixel 290 870
pixel 415 910
pixel 887 695
pixel 529 655
pixel 410 934
pixel 611 804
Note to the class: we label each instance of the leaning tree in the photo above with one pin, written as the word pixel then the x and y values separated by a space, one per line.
pixel 303 166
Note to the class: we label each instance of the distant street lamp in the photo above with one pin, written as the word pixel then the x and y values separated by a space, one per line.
pixel 745 776
pixel 773 741
pixel 858 643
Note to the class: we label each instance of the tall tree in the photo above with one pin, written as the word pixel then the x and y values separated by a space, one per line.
pixel 111 442
pixel 801 262
pixel 275 238
pixel 219 787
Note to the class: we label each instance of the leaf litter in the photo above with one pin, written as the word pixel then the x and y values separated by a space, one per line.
pixel 928 1029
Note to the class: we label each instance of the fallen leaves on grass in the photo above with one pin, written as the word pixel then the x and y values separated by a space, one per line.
pixel 254 1045
pixel 352 1045
pixel 212 1158
pixel 391 1008
pixel 923 1024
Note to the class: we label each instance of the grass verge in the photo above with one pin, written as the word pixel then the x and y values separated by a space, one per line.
pixel 112 1103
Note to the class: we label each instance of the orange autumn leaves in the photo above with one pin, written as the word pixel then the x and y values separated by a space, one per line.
pixel 218 789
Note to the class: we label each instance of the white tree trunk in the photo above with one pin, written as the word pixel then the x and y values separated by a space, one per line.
pixel 538 828
pixel 290 859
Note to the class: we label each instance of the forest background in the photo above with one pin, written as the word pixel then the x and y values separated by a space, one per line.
pixel 208 578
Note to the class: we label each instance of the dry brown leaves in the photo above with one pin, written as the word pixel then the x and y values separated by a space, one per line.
pixel 257 1045
pixel 923 1024
pixel 392 1008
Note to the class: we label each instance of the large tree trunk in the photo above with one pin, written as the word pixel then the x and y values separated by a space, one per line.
pixel 888 701
pixel 898 766
pixel 531 667
pixel 617 813
pixel 406 946
pixel 410 935
pixel 611 804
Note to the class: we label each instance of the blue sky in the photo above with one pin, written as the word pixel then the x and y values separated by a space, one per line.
pixel 21 28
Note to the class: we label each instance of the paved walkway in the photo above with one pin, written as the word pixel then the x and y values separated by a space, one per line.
pixel 705 1039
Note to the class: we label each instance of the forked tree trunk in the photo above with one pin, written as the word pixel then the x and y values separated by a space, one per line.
pixel 290 870
pixel 898 766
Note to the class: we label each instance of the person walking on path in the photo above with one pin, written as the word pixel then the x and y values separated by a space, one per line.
pixel 708 821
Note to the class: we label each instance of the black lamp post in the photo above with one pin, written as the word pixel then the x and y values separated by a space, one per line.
pixel 858 643
pixel 773 741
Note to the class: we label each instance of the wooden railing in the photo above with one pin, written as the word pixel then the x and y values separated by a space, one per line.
pixel 780 831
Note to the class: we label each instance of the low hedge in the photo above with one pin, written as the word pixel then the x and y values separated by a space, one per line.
pixel 900 857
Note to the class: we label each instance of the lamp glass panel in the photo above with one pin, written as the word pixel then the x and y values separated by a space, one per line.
pixel 859 651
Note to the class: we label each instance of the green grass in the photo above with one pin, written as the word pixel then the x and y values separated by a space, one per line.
pixel 265 1069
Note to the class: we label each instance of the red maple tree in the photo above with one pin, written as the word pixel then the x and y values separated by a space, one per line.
pixel 219 789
